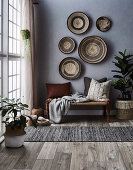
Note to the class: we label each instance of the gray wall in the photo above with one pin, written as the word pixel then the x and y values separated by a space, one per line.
pixel 51 26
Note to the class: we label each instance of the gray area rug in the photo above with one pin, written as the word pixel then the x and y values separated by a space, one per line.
pixel 79 134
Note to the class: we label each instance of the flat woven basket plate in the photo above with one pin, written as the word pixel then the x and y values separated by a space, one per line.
pixel 78 22
pixel 66 45
pixel 103 24
pixel 70 68
pixel 92 49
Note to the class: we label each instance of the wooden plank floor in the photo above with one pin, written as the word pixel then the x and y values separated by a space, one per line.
pixel 71 155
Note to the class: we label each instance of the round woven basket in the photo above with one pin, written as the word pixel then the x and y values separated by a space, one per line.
pixel 15 131
pixel 125 114
pixel 124 109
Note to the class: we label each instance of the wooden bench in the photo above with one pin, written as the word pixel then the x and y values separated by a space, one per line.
pixel 105 103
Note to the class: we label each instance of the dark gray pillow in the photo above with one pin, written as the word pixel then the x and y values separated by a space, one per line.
pixel 87 82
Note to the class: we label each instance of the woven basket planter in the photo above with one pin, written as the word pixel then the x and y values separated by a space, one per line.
pixel 14 137
pixel 124 109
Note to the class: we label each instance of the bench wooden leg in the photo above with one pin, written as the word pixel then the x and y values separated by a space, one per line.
pixel 108 112
pixel 104 111
pixel 47 106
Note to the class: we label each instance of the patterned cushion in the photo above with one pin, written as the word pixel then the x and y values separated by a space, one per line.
pixel 99 91
pixel 87 82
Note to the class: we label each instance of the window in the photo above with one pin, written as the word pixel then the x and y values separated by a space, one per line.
pixel 9 50
pixel 0 94
pixel 14 78
pixel 14 27
pixel 1 126
pixel 0 78
pixel 0 25
pixel 0 48
pixel 14 49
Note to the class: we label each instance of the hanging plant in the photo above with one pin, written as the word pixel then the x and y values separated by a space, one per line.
pixel 26 38
pixel 25 34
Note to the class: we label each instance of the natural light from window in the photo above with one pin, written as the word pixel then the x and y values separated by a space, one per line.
pixel 1 127
pixel 14 49
pixel 0 25
pixel 14 27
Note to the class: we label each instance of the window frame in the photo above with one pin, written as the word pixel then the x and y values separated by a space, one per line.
pixel 14 56
pixel 16 25
pixel 1 33
pixel 1 70
pixel 5 56
pixel 16 76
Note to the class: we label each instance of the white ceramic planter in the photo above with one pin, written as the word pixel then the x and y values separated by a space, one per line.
pixel 14 141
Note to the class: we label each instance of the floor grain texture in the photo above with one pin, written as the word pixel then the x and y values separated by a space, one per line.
pixel 71 155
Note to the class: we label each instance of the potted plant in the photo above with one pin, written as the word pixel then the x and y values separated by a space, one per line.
pixel 27 42
pixel 25 34
pixel 124 83
pixel 15 121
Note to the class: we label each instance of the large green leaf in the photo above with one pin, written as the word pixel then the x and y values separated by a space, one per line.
pixel 17 100
pixel 23 120
pixel 15 112
pixel 117 76
pixel 1 108
pixel 121 53
pixel 125 51
pixel 117 64
pixel 7 119
pixel 4 112
pixel 122 67
pixel 25 105
pixel 128 56
pixel 119 59
pixel 116 71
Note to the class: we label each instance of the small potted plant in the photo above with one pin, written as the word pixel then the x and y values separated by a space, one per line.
pixel 25 34
pixel 124 83
pixel 15 121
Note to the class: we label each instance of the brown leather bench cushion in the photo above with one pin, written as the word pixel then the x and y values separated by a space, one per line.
pixel 58 90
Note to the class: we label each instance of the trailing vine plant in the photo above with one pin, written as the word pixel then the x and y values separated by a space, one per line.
pixel 27 42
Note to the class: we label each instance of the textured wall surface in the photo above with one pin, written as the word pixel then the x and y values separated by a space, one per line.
pixel 51 26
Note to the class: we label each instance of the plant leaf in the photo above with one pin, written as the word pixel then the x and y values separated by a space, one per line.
pixel 4 111
pixel 117 76
pixel 128 56
pixel 17 100
pixel 121 53
pixel 119 59
pixel 125 51
pixel 15 112
pixel 7 119
pixel 116 71
pixel 25 105
pixel 23 120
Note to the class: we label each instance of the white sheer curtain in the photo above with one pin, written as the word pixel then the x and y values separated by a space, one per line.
pixel 28 78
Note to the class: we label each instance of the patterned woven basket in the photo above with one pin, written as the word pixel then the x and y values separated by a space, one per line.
pixel 124 109
pixel 125 113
